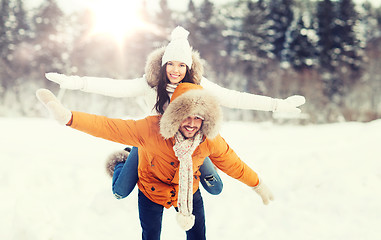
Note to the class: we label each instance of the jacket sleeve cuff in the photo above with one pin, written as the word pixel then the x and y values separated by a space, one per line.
pixel 70 121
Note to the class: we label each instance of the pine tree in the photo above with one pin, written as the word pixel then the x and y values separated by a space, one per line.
pixel 205 31
pixel 351 50
pixel 191 21
pixel 256 39
pixel 301 53
pixel 281 16
pixel 48 39
pixel 206 35
pixel 370 27
pixel 328 47
pixel 378 17
pixel 14 30
pixel 164 18
pixel 13 27
pixel 327 40
pixel 340 51
pixel 7 29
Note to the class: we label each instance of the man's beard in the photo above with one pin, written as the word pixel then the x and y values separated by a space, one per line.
pixel 189 137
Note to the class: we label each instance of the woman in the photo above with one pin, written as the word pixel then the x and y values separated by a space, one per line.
pixel 166 67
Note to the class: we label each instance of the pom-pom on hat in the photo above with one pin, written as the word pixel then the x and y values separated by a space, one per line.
pixel 178 49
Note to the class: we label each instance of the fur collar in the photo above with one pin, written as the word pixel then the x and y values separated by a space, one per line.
pixel 153 65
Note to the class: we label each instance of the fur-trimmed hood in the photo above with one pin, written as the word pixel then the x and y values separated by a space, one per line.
pixel 153 65
pixel 189 100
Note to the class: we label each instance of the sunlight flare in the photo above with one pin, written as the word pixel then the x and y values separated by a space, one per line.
pixel 117 18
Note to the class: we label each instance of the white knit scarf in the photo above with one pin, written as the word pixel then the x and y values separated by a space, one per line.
pixel 170 89
pixel 184 149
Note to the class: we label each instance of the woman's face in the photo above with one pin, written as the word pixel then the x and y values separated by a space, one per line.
pixel 176 71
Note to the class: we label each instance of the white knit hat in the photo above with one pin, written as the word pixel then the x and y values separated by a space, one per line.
pixel 178 48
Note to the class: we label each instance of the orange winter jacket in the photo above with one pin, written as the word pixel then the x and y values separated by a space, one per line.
pixel 158 168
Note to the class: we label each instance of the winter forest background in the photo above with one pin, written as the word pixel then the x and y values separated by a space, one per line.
pixel 327 50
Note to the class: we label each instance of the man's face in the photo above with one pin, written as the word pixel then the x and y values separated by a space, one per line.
pixel 190 126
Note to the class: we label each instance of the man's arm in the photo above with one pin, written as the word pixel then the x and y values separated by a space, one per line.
pixel 127 132
pixel 227 160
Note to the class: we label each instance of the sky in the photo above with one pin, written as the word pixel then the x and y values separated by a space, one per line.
pixel 325 179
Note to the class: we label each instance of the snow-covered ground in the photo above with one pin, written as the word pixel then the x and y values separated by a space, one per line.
pixel 326 180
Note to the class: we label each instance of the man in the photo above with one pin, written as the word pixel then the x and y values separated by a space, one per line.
pixel 172 148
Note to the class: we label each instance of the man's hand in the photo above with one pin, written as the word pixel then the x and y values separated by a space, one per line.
pixel 67 82
pixel 59 112
pixel 288 105
pixel 262 190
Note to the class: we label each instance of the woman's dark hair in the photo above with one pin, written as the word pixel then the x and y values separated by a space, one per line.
pixel 162 94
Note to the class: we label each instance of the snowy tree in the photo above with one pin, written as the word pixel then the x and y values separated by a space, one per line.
pixel 370 19
pixel 49 38
pixel 23 27
pixel 255 47
pixel 17 53
pixel 7 30
pixel 164 19
pixel 191 21
pixel 206 32
pixel 366 98
pixel 14 30
pixel 378 17
pixel 328 46
pixel 281 16
pixel 327 43
pixel 350 46
pixel 340 51
pixel 301 51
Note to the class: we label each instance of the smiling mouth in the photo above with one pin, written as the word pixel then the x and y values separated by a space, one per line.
pixel 190 129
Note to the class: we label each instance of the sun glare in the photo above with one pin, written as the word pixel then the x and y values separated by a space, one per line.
pixel 117 18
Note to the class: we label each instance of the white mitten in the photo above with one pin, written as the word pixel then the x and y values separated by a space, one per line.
pixel 288 105
pixel 59 112
pixel 68 82
pixel 262 190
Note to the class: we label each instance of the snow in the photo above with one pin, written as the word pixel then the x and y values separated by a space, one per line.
pixel 326 180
